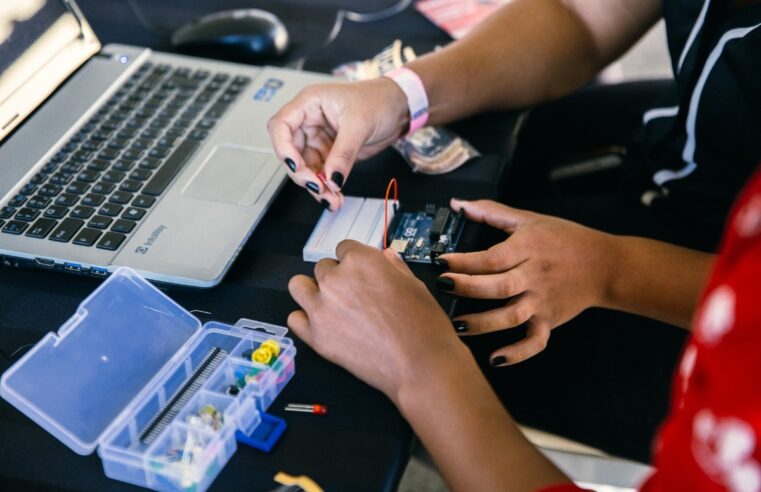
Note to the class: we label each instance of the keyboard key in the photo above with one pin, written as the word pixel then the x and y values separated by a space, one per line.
pixel 159 152
pixel 87 237
pixel 56 212
pixel 120 197
pixel 217 110
pixel 92 145
pixel 206 124
pixel 77 188
pixel 117 143
pixel 38 178
pixel 15 227
pixel 26 214
pixel 88 176
pixel 133 213
pixel 98 165
pixel 150 133
pixel 41 228
pixel 132 154
pixel 241 80
pixel 93 200
pixel 28 189
pixel 141 144
pixel 70 168
pixel 113 176
pixel 50 190
pixel 111 241
pixel 123 226
pixel 66 200
pixel 101 135
pixel 143 201
pixel 171 168
pixel 130 186
pixel 100 222
pixel 82 212
pixel 124 166
pixel 149 163
pixel 66 230
pixel 103 188
pixel 198 134
pixel 81 156
pixel 108 154
pixel 7 212
pixel 17 201
pixel 126 133
pixel 60 178
pixel 38 202
pixel 111 209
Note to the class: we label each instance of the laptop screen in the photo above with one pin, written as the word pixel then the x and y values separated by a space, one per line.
pixel 31 33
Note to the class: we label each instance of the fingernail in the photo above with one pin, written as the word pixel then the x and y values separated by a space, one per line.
pixel 337 178
pixel 325 204
pixel 313 186
pixel 460 326
pixel 498 361
pixel 444 283
pixel 291 165
pixel 442 263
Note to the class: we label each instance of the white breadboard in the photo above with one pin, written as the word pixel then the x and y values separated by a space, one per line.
pixel 360 219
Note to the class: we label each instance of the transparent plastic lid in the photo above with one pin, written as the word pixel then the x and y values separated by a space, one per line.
pixel 75 383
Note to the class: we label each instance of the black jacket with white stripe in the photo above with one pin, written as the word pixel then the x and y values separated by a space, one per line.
pixel 703 140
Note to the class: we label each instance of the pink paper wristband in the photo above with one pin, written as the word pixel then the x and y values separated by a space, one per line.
pixel 409 82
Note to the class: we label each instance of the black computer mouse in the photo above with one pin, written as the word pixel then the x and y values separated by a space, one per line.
pixel 246 35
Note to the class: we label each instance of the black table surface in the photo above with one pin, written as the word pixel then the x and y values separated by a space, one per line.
pixel 363 443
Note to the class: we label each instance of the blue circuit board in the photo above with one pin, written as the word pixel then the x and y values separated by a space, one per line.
pixel 421 236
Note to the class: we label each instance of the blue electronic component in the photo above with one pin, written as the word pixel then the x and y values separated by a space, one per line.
pixel 265 435
pixel 421 236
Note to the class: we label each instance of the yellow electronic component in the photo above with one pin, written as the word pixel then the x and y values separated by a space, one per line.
pixel 262 355
pixel 302 481
pixel 273 345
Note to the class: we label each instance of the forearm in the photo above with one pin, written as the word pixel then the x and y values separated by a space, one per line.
pixel 528 52
pixel 467 431
pixel 656 279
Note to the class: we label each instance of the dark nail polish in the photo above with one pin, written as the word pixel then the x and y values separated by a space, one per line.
pixel 498 361
pixel 338 179
pixel 313 187
pixel 325 204
pixel 291 165
pixel 445 283
pixel 442 263
pixel 460 326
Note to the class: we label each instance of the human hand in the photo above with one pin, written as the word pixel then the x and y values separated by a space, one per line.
pixel 321 132
pixel 549 270
pixel 369 314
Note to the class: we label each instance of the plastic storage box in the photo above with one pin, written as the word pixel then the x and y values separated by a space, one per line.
pixel 135 375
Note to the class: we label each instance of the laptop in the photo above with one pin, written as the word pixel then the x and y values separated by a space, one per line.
pixel 122 156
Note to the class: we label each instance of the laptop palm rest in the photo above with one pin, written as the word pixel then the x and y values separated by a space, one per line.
pixel 231 174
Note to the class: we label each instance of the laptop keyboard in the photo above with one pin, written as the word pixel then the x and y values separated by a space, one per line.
pixel 104 180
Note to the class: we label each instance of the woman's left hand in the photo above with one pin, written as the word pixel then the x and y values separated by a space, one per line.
pixel 549 270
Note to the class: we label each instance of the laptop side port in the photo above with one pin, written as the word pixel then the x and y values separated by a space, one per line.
pixel 44 262
pixel 98 272
pixel 72 267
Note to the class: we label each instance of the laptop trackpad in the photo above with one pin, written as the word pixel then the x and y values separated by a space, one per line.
pixel 232 174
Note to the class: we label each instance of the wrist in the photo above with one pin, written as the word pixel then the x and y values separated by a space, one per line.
pixel 414 91
pixel 610 253
pixel 429 370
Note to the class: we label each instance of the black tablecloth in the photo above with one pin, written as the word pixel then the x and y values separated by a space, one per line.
pixel 363 443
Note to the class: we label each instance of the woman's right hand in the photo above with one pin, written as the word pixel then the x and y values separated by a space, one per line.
pixel 320 134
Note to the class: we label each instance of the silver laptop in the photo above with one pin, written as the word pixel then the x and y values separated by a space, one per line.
pixel 122 156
